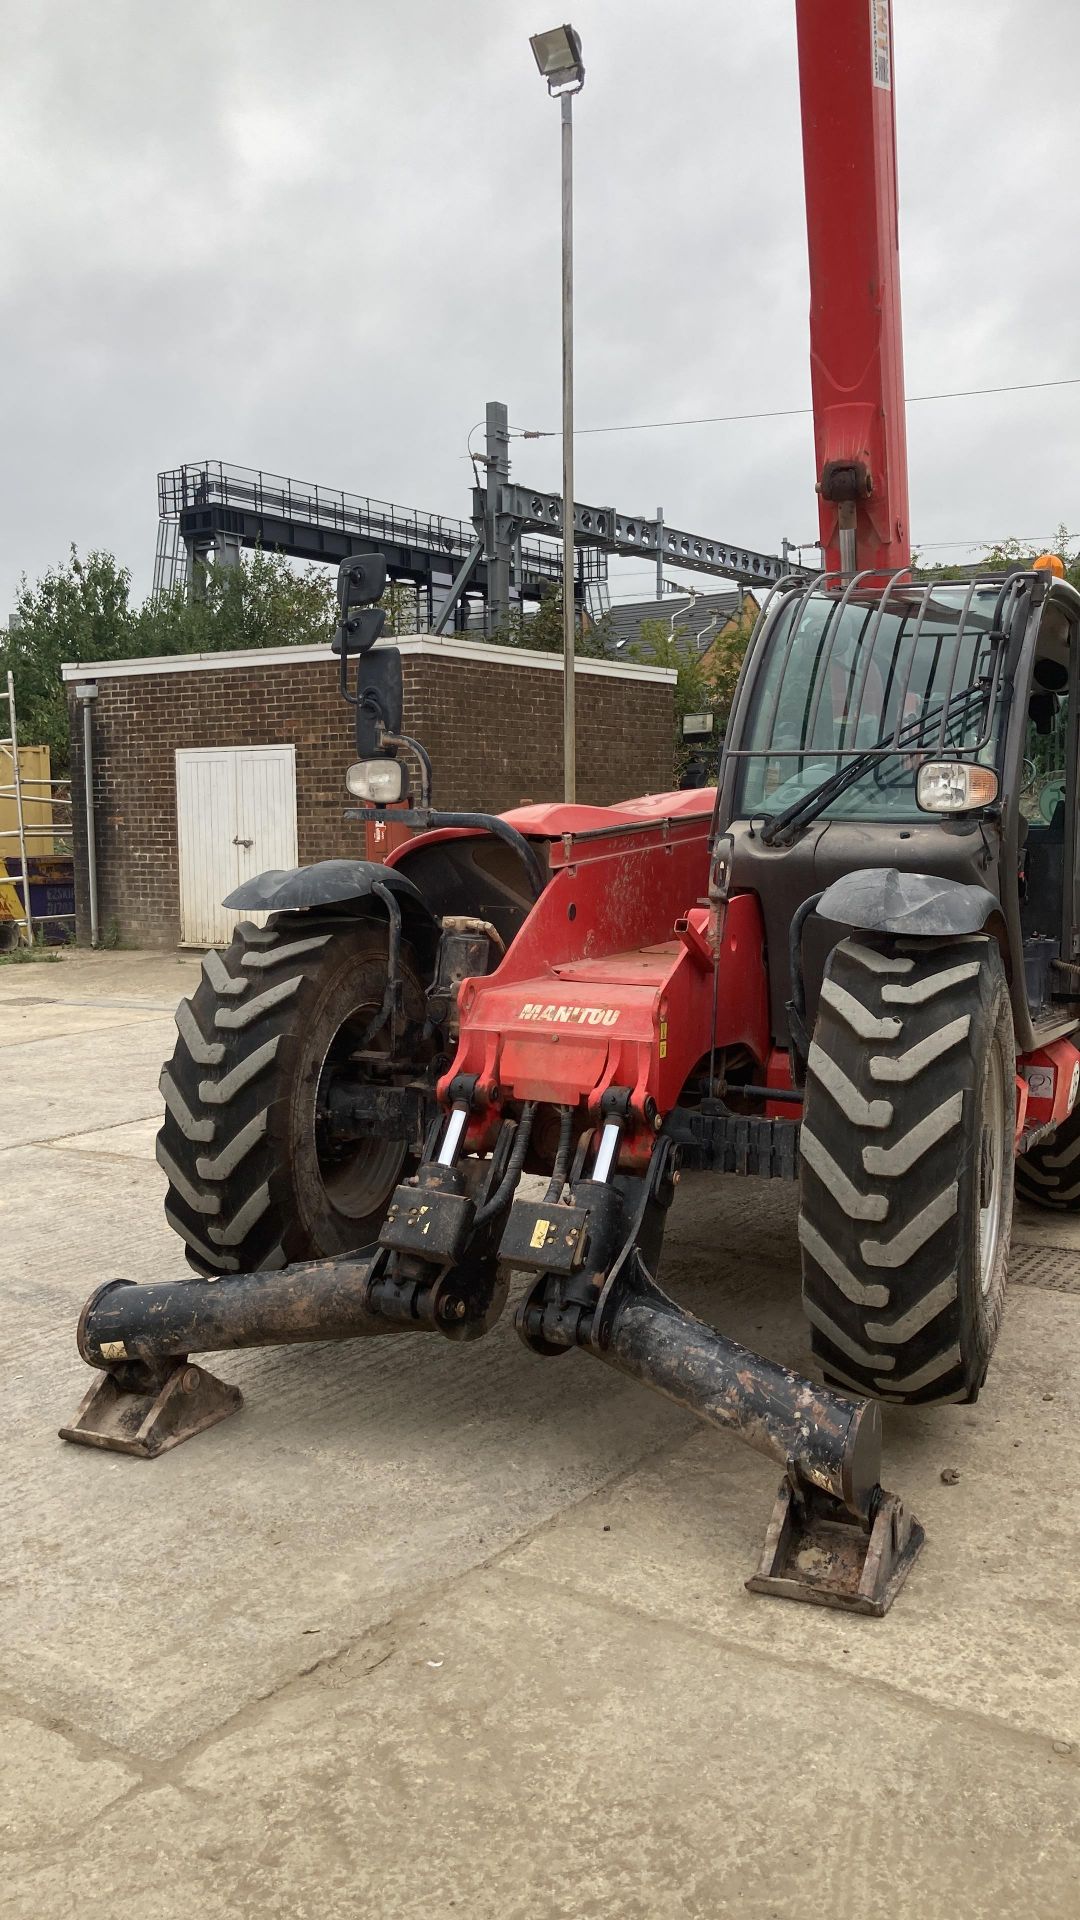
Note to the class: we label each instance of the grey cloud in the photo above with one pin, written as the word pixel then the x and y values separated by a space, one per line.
pixel 318 239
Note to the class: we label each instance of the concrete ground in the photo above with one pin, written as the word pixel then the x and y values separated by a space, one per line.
pixel 431 1631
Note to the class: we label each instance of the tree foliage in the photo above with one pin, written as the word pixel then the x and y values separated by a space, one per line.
pixel 542 629
pixel 264 602
pixel 1010 553
pixel 78 611
pixel 82 611
pixel 705 683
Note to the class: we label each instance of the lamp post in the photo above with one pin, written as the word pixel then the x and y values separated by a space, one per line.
pixel 558 57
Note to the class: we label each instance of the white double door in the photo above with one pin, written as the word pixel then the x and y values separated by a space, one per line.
pixel 236 817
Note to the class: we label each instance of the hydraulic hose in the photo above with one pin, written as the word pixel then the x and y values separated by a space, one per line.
pixel 798 1039
pixel 392 961
pixel 504 1192
pixel 561 1167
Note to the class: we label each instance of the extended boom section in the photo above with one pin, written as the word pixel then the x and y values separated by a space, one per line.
pixel 856 346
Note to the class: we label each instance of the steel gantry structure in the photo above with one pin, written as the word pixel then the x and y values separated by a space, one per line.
pixel 508 554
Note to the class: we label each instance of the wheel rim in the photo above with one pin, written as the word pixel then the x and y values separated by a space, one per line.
pixel 991 1169
pixel 358 1179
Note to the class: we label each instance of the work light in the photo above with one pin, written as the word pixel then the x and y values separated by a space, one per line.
pixel 558 55
pixel 380 781
pixel 954 786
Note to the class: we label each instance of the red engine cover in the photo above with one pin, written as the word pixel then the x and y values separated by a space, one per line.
pixel 610 980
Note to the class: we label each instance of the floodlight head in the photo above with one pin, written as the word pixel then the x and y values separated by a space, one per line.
pixel 558 55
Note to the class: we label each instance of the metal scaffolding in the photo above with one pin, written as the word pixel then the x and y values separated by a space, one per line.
pixel 42 799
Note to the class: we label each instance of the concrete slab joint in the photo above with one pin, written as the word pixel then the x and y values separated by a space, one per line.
pixel 453 1594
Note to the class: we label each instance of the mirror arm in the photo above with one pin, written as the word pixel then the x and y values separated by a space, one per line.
pixel 396 740
pixel 343 680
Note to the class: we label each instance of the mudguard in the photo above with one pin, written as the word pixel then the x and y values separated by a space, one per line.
pixel 328 882
pixel 884 900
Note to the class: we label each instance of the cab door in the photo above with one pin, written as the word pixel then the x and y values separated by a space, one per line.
pixel 1070 931
pixel 1050 845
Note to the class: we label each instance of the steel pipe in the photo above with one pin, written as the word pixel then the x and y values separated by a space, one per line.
pixel 91 827
pixel 315 1300
pixel 569 684
pixel 825 1440
pixel 20 825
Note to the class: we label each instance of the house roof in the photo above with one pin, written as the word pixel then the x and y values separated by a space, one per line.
pixel 696 623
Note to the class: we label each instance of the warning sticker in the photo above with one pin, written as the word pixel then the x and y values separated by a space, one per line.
pixel 879 40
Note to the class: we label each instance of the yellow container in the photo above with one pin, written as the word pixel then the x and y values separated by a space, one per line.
pixel 35 769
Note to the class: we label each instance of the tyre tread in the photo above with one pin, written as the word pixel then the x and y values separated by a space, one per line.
pixel 1046 1176
pixel 230 1194
pixel 886 1309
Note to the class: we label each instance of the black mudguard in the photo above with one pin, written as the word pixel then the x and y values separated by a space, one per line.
pixel 327 883
pixel 884 900
pixel 340 883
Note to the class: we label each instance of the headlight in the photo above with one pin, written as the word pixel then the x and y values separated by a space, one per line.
pixel 380 781
pixel 954 786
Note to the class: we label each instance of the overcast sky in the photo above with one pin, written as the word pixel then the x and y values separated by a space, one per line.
pixel 317 238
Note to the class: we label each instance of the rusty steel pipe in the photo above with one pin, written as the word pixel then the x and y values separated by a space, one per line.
pixel 314 1300
pixel 827 1441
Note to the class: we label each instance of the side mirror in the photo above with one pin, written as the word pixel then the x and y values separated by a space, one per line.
pixel 379 700
pixel 361 580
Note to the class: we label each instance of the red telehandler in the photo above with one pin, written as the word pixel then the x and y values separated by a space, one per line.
pixel 855 963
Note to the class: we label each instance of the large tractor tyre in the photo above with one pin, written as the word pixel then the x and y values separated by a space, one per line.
pixel 253 1181
pixel 1049 1176
pixel 907 1167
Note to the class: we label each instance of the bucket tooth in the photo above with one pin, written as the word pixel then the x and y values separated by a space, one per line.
pixel 146 1421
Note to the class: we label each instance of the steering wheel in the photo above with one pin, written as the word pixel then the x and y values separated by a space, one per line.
pixel 1051 795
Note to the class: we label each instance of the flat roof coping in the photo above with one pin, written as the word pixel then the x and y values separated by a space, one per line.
pixel 430 645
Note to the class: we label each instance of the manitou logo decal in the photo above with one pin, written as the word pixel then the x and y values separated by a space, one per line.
pixel 570 1016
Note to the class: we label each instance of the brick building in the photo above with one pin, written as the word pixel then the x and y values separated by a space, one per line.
pixel 195 756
